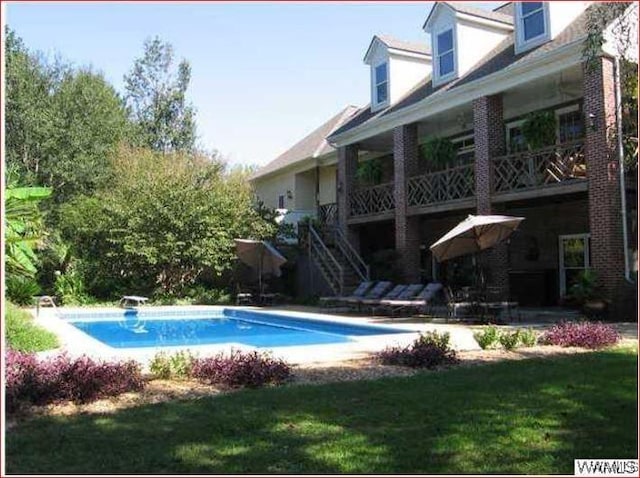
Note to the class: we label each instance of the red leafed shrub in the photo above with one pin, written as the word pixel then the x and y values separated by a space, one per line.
pixel 591 335
pixel 430 350
pixel 239 369
pixel 38 382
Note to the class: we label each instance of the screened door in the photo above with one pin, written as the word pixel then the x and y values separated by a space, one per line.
pixel 574 259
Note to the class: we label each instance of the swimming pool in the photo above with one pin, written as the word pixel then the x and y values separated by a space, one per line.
pixel 139 329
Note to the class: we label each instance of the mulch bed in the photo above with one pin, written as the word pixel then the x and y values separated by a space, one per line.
pixel 158 391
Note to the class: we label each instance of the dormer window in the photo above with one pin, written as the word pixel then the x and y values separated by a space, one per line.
pixel 381 83
pixel 532 25
pixel 532 20
pixel 445 53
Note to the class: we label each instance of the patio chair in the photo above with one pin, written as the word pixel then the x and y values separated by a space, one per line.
pixel 375 293
pixel 456 302
pixel 422 301
pixel 391 294
pixel 410 292
pixel 359 292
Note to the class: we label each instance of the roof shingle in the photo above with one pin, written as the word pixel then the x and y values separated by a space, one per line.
pixel 311 146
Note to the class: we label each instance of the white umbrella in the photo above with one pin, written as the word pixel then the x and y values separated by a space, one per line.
pixel 474 234
pixel 260 255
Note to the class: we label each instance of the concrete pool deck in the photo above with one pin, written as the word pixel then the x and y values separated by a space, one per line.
pixel 75 342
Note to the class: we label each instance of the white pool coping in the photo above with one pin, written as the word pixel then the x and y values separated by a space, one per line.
pixel 76 343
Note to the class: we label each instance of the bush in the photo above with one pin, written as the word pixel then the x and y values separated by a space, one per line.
pixel 488 337
pixel 177 365
pixel 528 337
pixel 70 287
pixel 202 296
pixel 240 369
pixel 20 290
pixel 23 335
pixel 591 335
pixel 29 381
pixel 510 340
pixel 430 350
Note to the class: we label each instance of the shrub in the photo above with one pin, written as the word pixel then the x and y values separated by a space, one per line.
pixel 510 340
pixel 203 296
pixel 488 337
pixel 70 287
pixel 591 335
pixel 29 381
pixel 177 365
pixel 23 335
pixel 528 337
pixel 240 369
pixel 20 290
pixel 430 350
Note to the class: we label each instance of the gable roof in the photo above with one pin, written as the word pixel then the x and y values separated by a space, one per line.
pixel 314 145
pixel 497 15
pixel 396 44
pixel 502 56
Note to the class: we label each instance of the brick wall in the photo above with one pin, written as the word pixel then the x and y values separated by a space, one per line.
pixel 347 166
pixel 407 229
pixel 489 137
pixel 607 254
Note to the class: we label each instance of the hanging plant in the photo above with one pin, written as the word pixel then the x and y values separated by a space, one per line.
pixel 539 129
pixel 369 173
pixel 438 153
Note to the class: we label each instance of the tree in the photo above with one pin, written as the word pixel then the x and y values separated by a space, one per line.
pixel 613 23
pixel 61 123
pixel 162 222
pixel 28 121
pixel 155 97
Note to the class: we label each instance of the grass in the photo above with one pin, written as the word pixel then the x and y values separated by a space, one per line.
pixel 23 335
pixel 527 417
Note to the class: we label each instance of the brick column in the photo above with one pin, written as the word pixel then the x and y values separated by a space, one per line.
pixel 489 137
pixel 347 166
pixel 407 228
pixel 605 222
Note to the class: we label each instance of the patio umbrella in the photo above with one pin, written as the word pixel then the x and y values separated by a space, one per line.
pixel 261 256
pixel 474 234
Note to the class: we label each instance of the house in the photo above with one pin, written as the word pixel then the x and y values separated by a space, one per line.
pixel 498 116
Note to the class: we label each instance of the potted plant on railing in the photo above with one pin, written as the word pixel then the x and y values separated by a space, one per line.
pixel 369 172
pixel 586 294
pixel 437 154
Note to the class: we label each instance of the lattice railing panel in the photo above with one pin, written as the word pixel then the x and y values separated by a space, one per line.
pixel 374 200
pixel 328 214
pixel 535 169
pixel 441 186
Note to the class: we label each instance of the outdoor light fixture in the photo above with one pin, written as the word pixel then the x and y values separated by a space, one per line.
pixel 289 195
pixel 592 122
pixel 339 187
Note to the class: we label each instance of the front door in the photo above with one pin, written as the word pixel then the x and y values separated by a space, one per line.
pixel 574 259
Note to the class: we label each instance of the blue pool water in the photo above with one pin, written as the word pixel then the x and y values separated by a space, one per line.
pixel 133 329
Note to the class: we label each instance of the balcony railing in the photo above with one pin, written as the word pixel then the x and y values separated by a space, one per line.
pixel 375 200
pixel 441 186
pixel 535 169
pixel 328 214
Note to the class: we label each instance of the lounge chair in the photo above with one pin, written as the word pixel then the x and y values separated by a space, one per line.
pixel 421 301
pixel 359 292
pixel 375 293
pixel 392 294
pixel 409 293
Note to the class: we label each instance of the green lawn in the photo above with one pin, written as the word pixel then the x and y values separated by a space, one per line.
pixel 22 334
pixel 532 416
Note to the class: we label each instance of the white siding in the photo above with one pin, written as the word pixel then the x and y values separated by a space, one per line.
pixel 474 41
pixel 405 73
pixel 327 193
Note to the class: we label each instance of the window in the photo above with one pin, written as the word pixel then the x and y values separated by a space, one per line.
pixel 532 20
pixel 466 149
pixel 381 83
pixel 516 142
pixel 570 125
pixel 281 201
pixel 446 62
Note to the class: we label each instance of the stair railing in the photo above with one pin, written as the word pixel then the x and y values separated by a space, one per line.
pixel 359 266
pixel 327 263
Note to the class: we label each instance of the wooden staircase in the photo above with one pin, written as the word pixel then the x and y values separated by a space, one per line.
pixel 336 259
